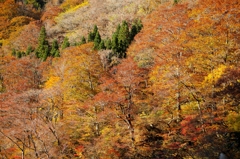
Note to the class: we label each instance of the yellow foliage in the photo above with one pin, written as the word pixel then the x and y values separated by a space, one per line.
pixel 154 74
pixel 14 28
pixel 189 108
pixel 70 9
pixel 215 75
pixel 76 73
pixel 21 20
pixel 195 14
pixel 11 33
pixel 233 121
pixel 52 82
pixel 73 5
pixel 105 132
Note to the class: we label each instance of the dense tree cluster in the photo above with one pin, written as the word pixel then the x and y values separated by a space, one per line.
pixel 121 38
pixel 44 49
pixel 20 54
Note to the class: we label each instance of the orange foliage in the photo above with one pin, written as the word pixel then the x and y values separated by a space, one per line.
pixel 8 10
pixel 188 44
pixel 50 14
pixel 20 75
pixel 29 34
pixel 176 95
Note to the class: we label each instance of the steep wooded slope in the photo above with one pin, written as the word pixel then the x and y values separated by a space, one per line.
pixel 175 95
pixel 106 14
pixel 74 21
pixel 190 52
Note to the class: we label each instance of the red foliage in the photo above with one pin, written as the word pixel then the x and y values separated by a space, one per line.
pixel 113 152
pixel 21 75
pixel 29 34
pixel 51 13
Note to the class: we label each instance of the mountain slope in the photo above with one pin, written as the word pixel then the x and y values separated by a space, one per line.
pixel 174 94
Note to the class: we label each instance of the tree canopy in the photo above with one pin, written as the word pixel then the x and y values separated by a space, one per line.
pixel 162 85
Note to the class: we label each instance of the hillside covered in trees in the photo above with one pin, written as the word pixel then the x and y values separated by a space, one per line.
pixel 109 79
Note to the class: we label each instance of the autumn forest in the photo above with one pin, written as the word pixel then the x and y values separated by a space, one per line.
pixel 109 79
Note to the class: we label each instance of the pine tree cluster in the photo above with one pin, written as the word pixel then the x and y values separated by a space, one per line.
pixel 20 54
pixel 121 38
pixel 43 49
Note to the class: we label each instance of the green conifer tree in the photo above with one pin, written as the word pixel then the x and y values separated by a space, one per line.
pixel 95 30
pixel 14 53
pixel 175 2
pixel 123 38
pixel 19 54
pixel 114 42
pixel 97 41
pixel 124 34
pixel 108 43
pixel 42 36
pixel 102 45
pixel 57 54
pixel 23 53
pixel 122 49
pixel 29 50
pixel 133 32
pixel 139 25
pixel 90 37
pixel 65 43
pixel 46 53
pixel 83 40
pixel 54 48
pixel 42 44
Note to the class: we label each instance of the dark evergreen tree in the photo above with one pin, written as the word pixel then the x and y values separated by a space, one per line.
pixel 42 36
pixel 57 54
pixel 108 43
pixel 14 53
pixel 97 41
pixel 54 48
pixel 134 31
pixel 114 42
pixel 120 41
pixel 122 49
pixel 83 40
pixel 95 30
pixel 65 43
pixel 42 44
pixel 102 45
pixel 39 51
pixel 90 37
pixel 175 2
pixel 29 50
pixel 46 53
pixel 136 28
pixel 19 54
pixel 124 34
pixel 23 53
pixel 139 25
pixel 37 4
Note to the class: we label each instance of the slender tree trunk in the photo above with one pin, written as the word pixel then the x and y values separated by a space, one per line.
pixel 179 55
